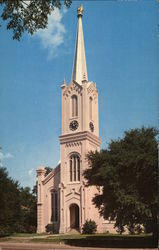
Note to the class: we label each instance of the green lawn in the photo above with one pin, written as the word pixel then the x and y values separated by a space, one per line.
pixel 24 234
pixel 102 240
pixel 96 240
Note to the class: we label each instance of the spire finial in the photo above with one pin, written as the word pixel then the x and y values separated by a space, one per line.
pixel 80 10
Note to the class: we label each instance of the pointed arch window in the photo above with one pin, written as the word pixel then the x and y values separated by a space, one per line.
pixel 54 206
pixel 90 107
pixel 74 106
pixel 74 168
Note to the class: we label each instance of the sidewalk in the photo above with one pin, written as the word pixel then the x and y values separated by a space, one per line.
pixel 48 246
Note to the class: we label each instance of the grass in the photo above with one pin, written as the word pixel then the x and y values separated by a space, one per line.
pixel 95 240
pixel 102 240
pixel 24 234
pixel 19 236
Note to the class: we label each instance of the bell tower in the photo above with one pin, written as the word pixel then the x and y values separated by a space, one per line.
pixel 79 135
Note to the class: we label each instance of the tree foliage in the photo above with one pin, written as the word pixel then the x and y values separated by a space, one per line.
pixel 17 206
pixel 28 16
pixel 10 211
pixel 28 210
pixel 127 175
pixel 48 170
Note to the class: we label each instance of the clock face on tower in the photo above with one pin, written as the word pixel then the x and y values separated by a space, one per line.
pixel 91 126
pixel 73 125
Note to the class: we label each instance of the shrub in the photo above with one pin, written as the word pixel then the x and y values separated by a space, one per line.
pixel 19 228
pixel 139 229
pixel 120 229
pixel 31 229
pixel 51 228
pixel 4 231
pixel 131 229
pixel 89 227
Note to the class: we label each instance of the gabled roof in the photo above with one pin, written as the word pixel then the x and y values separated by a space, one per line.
pixel 52 174
pixel 73 85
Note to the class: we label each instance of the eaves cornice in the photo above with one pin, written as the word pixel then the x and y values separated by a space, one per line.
pixel 80 136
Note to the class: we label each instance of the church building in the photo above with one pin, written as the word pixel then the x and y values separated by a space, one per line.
pixel 63 197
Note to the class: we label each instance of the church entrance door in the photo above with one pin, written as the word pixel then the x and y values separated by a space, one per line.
pixel 74 216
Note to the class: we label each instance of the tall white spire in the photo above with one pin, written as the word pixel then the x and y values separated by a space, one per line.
pixel 79 67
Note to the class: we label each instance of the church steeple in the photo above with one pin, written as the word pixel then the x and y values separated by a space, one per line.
pixel 79 67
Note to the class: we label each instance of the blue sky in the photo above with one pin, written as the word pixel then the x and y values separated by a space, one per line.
pixel 122 48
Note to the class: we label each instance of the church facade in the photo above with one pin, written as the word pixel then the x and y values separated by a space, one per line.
pixel 63 197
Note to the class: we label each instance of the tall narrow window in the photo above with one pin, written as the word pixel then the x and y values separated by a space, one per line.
pixel 90 107
pixel 54 206
pixel 78 168
pixel 71 169
pixel 74 168
pixel 74 105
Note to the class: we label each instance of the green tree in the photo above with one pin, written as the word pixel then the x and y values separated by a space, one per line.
pixel 28 204
pixel 127 175
pixel 28 16
pixel 48 170
pixel 17 206
pixel 10 209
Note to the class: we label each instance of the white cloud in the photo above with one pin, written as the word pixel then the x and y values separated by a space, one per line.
pixel 53 35
pixel 8 156
pixel 4 156
pixel 31 172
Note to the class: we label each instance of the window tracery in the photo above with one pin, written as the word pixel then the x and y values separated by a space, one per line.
pixel 74 168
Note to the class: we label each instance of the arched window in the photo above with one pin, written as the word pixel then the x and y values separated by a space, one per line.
pixel 90 107
pixel 74 106
pixel 54 206
pixel 74 168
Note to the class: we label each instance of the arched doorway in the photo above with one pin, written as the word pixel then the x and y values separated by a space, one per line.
pixel 74 216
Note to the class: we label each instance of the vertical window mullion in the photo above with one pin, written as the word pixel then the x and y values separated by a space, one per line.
pixel 74 168
pixel 71 169
pixel 78 161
